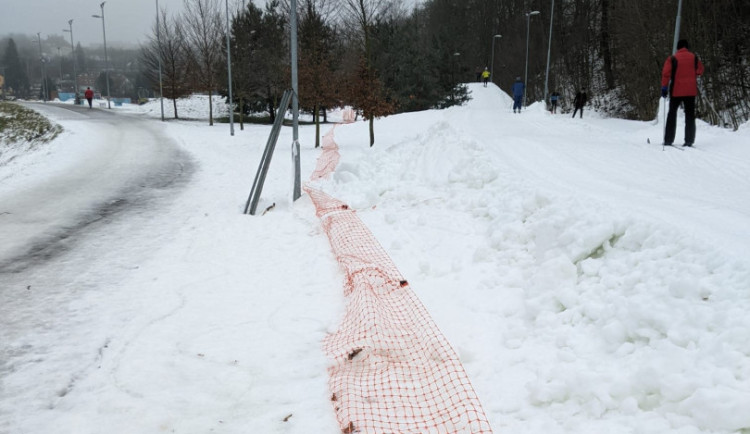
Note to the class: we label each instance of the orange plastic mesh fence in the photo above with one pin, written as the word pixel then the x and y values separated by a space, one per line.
pixel 392 371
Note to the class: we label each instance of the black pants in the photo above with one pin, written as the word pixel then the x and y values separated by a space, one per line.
pixel 576 111
pixel 689 106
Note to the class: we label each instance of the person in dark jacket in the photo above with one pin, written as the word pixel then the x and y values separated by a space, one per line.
pixel 518 90
pixel 553 102
pixel 89 95
pixel 579 102
pixel 682 71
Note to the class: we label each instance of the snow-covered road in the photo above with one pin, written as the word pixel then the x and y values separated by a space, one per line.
pixel 118 162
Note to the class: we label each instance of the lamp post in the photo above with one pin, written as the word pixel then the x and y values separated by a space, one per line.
pixel 76 99
pixel 297 191
pixel 41 61
pixel 229 74
pixel 549 48
pixel 526 74
pixel 677 27
pixel 158 43
pixel 106 62
pixel 59 59
pixel 492 62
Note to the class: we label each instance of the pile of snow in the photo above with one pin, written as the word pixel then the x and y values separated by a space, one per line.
pixel 193 107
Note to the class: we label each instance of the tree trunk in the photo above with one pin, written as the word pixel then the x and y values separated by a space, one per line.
pixel 242 114
pixel 605 45
pixel 210 109
pixel 372 131
pixel 317 125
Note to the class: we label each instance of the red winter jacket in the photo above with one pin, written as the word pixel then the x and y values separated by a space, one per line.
pixel 685 76
pixel 88 94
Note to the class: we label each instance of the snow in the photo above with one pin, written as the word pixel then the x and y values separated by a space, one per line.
pixel 589 281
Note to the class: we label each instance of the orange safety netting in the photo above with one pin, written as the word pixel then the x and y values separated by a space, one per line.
pixel 393 371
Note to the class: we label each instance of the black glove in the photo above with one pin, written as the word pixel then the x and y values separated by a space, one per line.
pixel 664 91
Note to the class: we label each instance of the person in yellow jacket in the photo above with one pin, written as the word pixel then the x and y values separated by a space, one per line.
pixel 486 76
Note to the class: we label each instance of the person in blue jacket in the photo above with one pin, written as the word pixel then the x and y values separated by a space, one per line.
pixel 553 102
pixel 518 89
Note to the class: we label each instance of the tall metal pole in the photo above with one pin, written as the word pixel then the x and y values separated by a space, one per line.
pixel 158 43
pixel 526 74
pixel 297 189
pixel 229 74
pixel 41 61
pixel 59 57
pixel 106 61
pixel 677 26
pixel 76 99
pixel 549 48
pixel 492 62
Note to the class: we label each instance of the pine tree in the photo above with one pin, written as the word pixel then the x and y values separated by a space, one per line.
pixel 16 80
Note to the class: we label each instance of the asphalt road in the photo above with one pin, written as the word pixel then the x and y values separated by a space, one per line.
pixel 131 163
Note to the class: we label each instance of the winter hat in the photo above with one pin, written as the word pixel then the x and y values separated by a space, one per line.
pixel 682 43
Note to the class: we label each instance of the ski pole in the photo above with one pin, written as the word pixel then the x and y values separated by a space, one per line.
pixel 664 127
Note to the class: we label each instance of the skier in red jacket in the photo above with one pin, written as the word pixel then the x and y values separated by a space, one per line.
pixel 89 95
pixel 682 71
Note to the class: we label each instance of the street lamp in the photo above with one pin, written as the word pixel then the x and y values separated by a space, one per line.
pixel 549 47
pixel 41 61
pixel 76 100
pixel 492 62
pixel 158 43
pixel 296 188
pixel 106 62
pixel 59 57
pixel 526 76
pixel 454 82
pixel 229 74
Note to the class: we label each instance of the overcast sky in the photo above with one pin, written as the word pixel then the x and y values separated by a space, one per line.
pixel 127 21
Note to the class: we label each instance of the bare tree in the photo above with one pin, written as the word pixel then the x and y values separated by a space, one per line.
pixel 204 31
pixel 171 47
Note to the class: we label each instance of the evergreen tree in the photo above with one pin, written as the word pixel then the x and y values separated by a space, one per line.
pixel 101 83
pixel 81 60
pixel 16 80
pixel 260 58
pixel 419 75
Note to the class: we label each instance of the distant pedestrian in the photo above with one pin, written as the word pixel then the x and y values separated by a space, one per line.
pixel 579 102
pixel 89 95
pixel 553 101
pixel 518 90
pixel 682 71
pixel 478 72
pixel 486 75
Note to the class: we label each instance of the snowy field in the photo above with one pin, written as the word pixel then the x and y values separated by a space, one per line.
pixel 590 282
